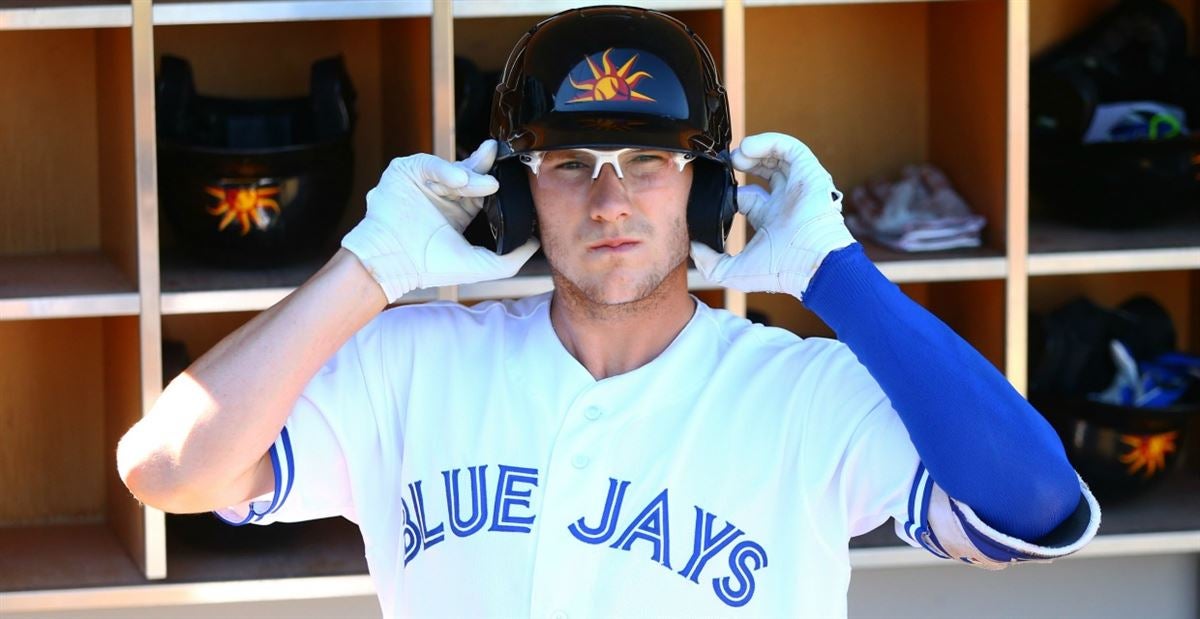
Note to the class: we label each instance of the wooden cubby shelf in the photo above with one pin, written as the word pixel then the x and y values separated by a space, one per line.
pixel 1057 248
pixel 190 287
pixel 64 285
pixel 97 296
pixel 67 556
pixel 191 12
pixel 937 266
pixel 56 14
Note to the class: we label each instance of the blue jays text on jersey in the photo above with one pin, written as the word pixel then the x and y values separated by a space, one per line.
pixel 510 511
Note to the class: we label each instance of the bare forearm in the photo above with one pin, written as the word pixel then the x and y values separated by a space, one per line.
pixel 198 447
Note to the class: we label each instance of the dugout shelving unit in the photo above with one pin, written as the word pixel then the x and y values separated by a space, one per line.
pixel 87 294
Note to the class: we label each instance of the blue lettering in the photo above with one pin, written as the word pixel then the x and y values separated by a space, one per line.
pixel 705 546
pixel 412 535
pixel 431 537
pixel 507 496
pixel 746 551
pixel 652 525
pixel 608 519
pixel 460 527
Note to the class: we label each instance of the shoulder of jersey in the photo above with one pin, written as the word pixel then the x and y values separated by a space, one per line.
pixel 824 360
pixel 734 328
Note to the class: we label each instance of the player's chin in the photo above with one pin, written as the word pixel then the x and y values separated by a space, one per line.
pixel 615 295
pixel 625 289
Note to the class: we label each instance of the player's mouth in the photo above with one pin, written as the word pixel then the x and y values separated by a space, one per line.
pixel 614 245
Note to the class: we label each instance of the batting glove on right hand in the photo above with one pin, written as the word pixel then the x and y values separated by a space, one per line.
pixel 412 236
pixel 796 225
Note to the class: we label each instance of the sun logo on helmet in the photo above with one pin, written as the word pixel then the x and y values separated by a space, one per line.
pixel 611 84
pixel 245 203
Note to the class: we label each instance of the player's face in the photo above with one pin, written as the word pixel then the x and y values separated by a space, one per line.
pixel 613 239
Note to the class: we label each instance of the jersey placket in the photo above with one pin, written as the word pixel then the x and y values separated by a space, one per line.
pixel 559 583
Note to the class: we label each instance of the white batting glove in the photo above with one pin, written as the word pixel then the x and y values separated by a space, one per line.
pixel 412 236
pixel 796 225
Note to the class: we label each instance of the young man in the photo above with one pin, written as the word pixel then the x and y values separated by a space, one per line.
pixel 615 447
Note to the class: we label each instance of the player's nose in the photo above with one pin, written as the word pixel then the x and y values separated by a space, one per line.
pixel 608 199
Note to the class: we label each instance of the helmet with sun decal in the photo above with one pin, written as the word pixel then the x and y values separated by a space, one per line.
pixel 611 77
pixel 253 183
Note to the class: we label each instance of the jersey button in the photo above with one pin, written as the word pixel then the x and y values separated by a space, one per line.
pixel 580 461
pixel 592 412
pixel 558 614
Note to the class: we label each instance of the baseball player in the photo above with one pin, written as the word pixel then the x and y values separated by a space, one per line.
pixel 614 447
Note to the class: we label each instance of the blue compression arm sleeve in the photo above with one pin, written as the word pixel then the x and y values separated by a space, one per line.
pixel 981 441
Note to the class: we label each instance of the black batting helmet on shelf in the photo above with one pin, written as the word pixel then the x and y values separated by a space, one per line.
pixel 611 77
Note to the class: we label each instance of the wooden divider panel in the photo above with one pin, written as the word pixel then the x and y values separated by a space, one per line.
pixel 115 155
pixel 123 408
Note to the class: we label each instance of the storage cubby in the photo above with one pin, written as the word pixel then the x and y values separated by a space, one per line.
pixel 871 88
pixel 68 231
pixel 71 389
pixel 1060 245
pixel 388 63
pixel 1170 506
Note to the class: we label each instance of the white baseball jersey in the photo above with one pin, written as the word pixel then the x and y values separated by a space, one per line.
pixel 491 475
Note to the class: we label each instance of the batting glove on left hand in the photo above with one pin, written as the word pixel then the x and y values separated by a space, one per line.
pixel 796 225
pixel 412 236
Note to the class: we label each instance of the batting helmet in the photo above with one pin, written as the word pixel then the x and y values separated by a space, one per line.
pixel 611 77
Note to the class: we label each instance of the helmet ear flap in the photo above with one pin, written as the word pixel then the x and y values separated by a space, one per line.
pixel 174 91
pixel 510 211
pixel 709 220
